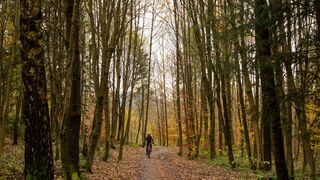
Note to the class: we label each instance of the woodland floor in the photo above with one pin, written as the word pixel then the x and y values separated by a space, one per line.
pixel 163 164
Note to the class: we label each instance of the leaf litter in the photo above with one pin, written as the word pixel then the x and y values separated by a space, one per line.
pixel 163 164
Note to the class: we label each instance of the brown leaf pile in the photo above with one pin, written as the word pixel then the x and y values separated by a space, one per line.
pixel 127 168
pixel 183 168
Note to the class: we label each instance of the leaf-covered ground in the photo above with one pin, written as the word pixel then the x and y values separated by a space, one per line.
pixel 163 164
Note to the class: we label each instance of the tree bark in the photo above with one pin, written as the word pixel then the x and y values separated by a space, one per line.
pixel 226 117
pixel 38 147
pixel 178 57
pixel 317 9
pixel 165 102
pixel 244 119
pixel 17 118
pixel 141 113
pixel 130 110
pixel 208 89
pixel 271 109
pixel 70 131
pixel 149 70
pixel 125 86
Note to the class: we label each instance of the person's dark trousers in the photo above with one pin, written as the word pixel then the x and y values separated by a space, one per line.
pixel 147 147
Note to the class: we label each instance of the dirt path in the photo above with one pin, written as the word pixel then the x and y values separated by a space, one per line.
pixel 157 167
pixel 163 164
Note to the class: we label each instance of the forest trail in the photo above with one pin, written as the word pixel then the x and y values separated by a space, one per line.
pixel 163 164
pixel 158 166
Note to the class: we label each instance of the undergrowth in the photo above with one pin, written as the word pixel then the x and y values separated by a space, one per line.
pixel 11 163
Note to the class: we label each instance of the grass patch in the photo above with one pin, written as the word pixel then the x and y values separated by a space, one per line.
pixel 241 162
pixel 134 145
pixel 265 175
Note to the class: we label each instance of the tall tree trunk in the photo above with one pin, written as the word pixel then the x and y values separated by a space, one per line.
pixel 184 79
pixel 162 115
pixel 1 92
pixel 130 109
pixel 85 131
pixel 116 100
pixel 242 104
pixel 56 77
pixel 122 127
pixel 102 93
pixel 301 111
pixel 17 118
pixel 287 124
pixel 38 147
pixel 116 43
pixel 227 127
pixel 244 119
pixel 190 107
pixel 107 125
pixel 96 130
pixel 158 121
pixel 317 9
pixel 165 102
pixel 135 56
pixel 253 106
pixel 185 106
pixel 149 70
pixel 7 88
pixel 208 89
pixel 55 93
pixel 267 83
pixel 141 113
pixel 178 57
pixel 285 111
pixel 70 131
pixel 270 110
pixel 5 109
pixel 203 116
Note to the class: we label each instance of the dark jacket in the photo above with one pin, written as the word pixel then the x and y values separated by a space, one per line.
pixel 149 140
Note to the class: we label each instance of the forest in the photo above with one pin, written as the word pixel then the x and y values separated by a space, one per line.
pixel 228 89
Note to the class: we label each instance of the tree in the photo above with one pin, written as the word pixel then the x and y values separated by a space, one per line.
pixel 7 83
pixel 270 104
pixel 70 131
pixel 109 48
pixel 35 112
pixel 122 128
pixel 144 130
pixel 17 118
pixel 178 59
